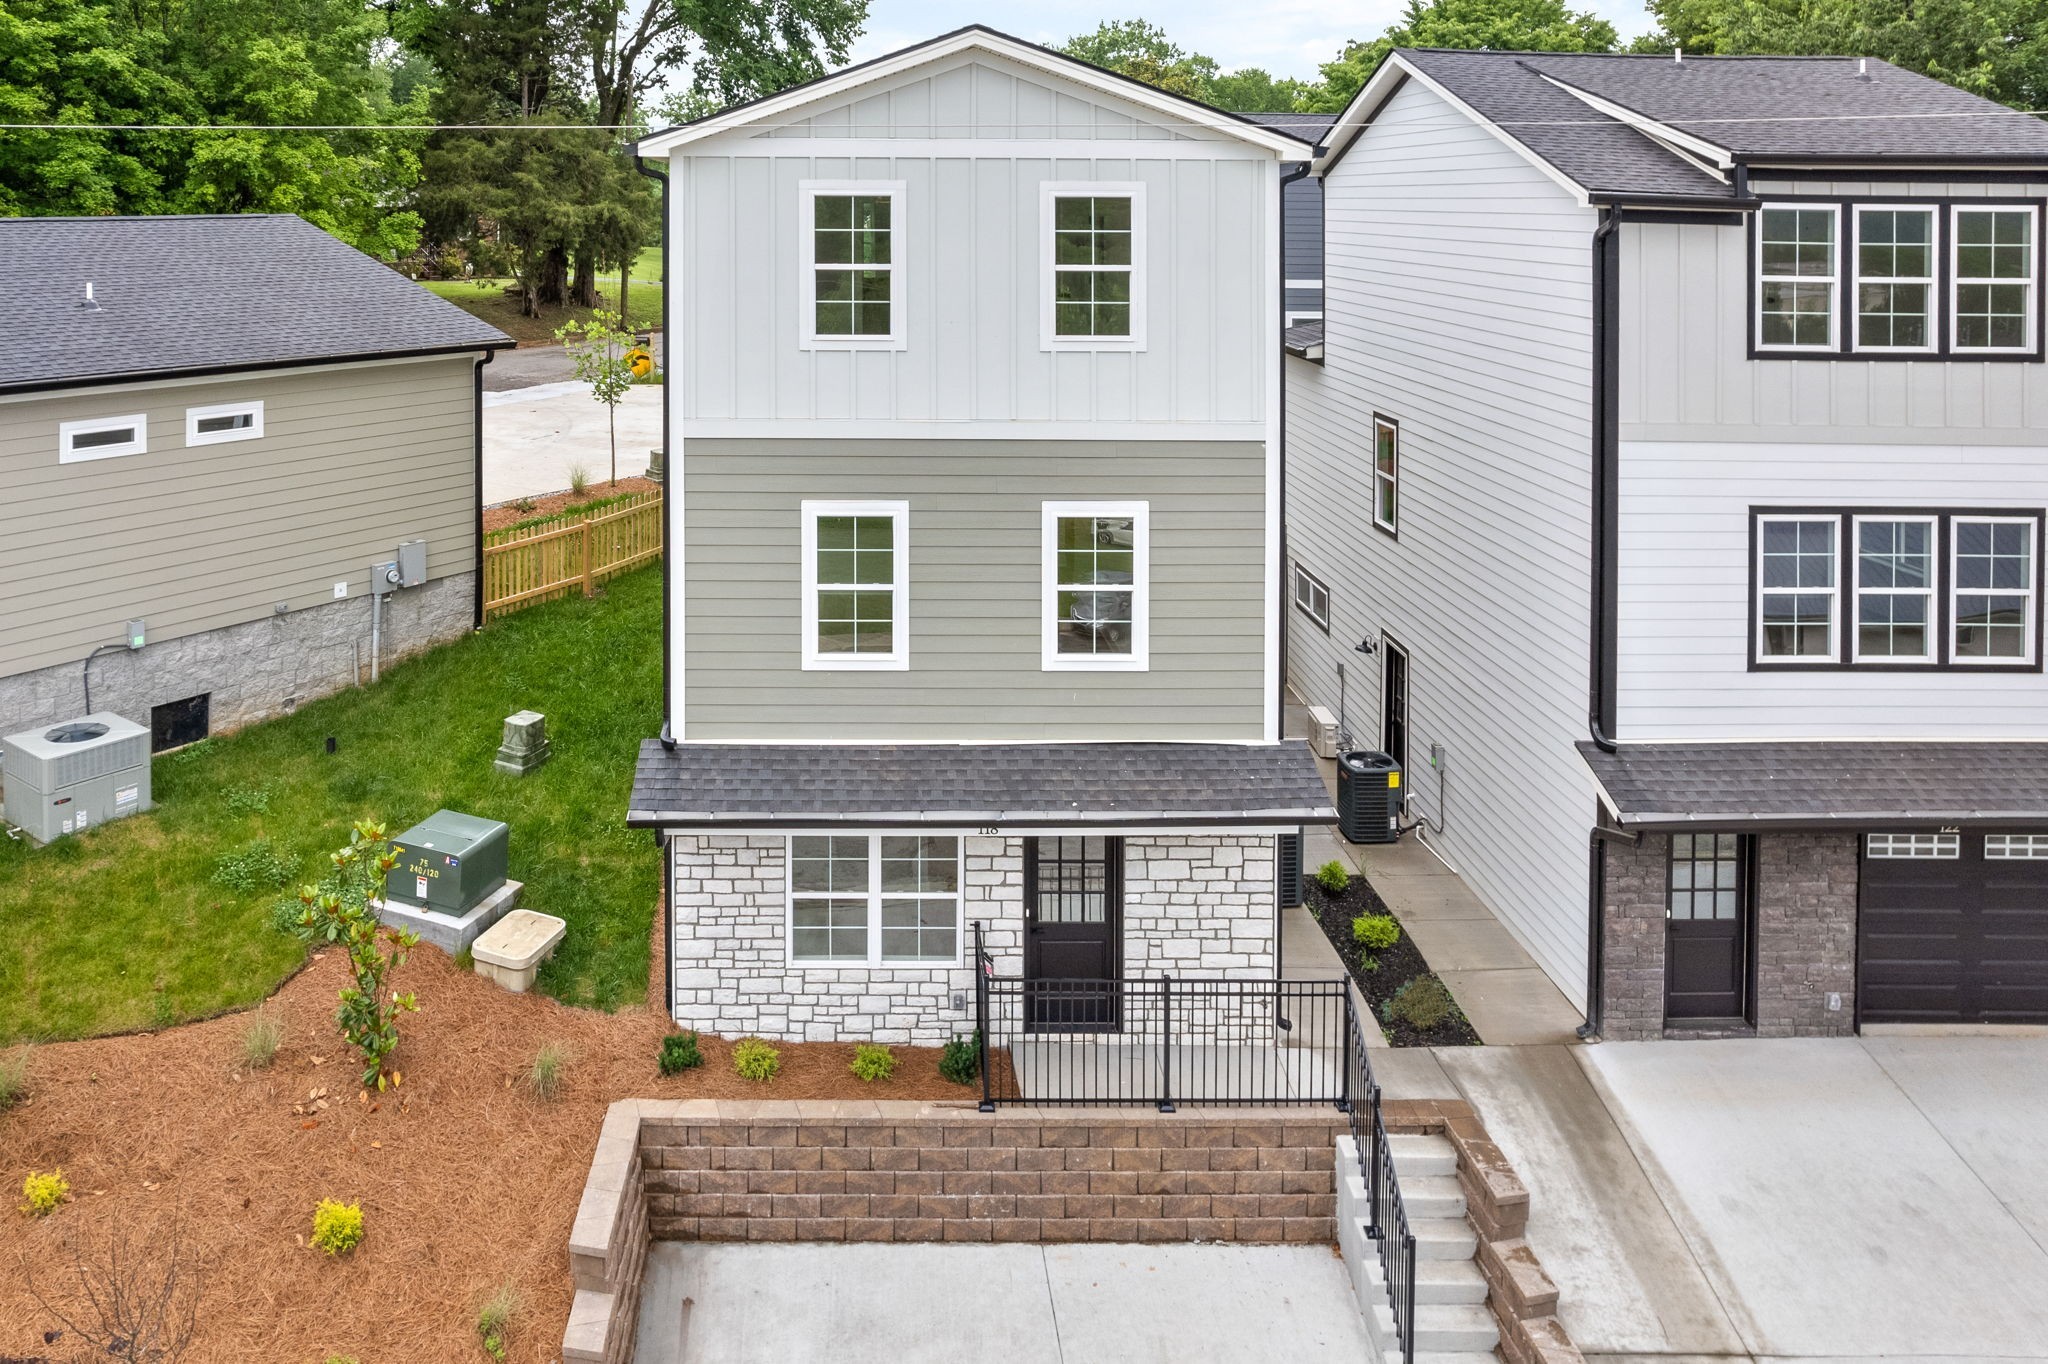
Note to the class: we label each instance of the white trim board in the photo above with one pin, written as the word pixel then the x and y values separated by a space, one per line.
pixel 237 376
pixel 815 428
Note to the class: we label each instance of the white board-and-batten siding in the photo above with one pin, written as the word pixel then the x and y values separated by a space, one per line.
pixel 1458 279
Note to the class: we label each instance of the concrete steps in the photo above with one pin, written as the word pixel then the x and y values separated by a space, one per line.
pixel 1445 1281
pixel 1452 1322
pixel 1418 1156
pixel 1445 1328
pixel 1431 1195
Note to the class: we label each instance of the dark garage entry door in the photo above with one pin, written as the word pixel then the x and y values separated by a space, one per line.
pixel 1954 928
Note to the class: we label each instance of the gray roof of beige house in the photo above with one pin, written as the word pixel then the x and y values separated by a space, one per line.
pixel 1758 110
pixel 1807 784
pixel 201 295
pixel 957 785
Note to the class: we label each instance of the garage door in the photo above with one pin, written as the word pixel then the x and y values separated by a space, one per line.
pixel 1954 928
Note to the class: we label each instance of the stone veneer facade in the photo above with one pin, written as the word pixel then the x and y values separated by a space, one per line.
pixel 1805 922
pixel 1203 905
pixel 252 671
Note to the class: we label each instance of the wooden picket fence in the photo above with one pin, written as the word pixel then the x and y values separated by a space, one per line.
pixel 542 564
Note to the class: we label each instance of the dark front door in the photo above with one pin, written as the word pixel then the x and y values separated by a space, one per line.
pixel 1706 927
pixel 1394 702
pixel 1953 928
pixel 1073 932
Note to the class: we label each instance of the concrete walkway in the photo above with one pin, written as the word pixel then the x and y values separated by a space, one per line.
pixel 533 437
pixel 1023 1304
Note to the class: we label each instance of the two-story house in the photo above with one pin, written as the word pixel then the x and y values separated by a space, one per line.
pixel 1666 485
pixel 974 589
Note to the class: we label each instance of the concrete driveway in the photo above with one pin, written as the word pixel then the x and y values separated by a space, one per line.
pixel 1882 1198
pixel 534 436
pixel 1023 1304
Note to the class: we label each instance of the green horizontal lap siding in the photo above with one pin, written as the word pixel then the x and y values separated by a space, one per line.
pixel 352 461
pixel 975 590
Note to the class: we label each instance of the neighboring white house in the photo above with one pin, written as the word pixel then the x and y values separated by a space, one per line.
pixel 975 587
pixel 1675 448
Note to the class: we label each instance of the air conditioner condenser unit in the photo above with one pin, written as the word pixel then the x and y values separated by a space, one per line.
pixel 74 776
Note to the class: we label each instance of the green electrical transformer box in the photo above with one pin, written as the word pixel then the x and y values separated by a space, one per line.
pixel 448 863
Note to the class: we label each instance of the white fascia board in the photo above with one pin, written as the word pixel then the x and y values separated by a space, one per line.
pixel 1393 71
pixel 976 39
pixel 1694 149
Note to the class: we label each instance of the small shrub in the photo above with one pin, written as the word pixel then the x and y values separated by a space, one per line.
pixel 872 1061
pixel 544 1076
pixel 524 505
pixel 260 1036
pixel 256 867
pixel 755 1059
pixel 337 1227
pixel 44 1192
pixel 960 1059
pixel 1375 932
pixel 579 480
pixel 679 1053
pixel 494 1321
pixel 1332 877
pixel 13 1079
pixel 1423 1003
pixel 250 800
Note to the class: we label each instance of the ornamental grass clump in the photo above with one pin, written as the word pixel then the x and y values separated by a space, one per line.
pixel 680 1052
pixel 872 1062
pixel 13 1078
pixel 337 1227
pixel 1332 877
pixel 339 910
pixel 494 1322
pixel 43 1192
pixel 755 1060
pixel 544 1076
pixel 260 1038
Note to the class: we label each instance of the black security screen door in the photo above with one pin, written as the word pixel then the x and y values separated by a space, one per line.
pixel 1706 918
pixel 1073 914
pixel 1394 704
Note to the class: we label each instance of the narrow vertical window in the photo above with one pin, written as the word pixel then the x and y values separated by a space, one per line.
pixel 855 585
pixel 850 289
pixel 1386 474
pixel 1796 588
pixel 1994 279
pixel 1895 589
pixel 1094 266
pixel 1894 278
pixel 1096 567
pixel 1993 590
pixel 1797 268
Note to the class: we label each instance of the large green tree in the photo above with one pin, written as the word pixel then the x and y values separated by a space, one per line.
pixel 1995 48
pixel 1504 25
pixel 1142 51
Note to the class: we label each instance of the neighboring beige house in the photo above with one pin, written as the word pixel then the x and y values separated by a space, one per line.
pixel 216 427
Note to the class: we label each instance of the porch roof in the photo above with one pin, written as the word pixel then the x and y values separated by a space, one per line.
pixel 700 785
pixel 1822 784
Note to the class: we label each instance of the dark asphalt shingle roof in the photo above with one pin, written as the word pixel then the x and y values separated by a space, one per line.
pixel 975 784
pixel 1809 783
pixel 203 293
pixel 1308 127
pixel 1300 337
pixel 1755 107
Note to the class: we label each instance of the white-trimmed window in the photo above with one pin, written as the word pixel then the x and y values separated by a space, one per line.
pixel 1937 847
pixel 851 292
pixel 1093 280
pixel 1895 589
pixel 1312 598
pixel 1096 578
pixel 1798 269
pixel 2016 847
pixel 1895 256
pixel 1296 319
pixel 856 585
pixel 223 422
pixel 102 438
pixel 1995 260
pixel 1797 591
pixel 1992 589
pixel 874 900
pixel 1386 474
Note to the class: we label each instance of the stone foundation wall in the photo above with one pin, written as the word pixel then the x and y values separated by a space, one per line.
pixel 253 671
pixel 1805 936
pixel 1193 904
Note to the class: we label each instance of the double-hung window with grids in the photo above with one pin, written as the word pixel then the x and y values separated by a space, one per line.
pixel 1895 260
pixel 1386 474
pixel 1096 588
pixel 1995 264
pixel 851 288
pixel 1797 595
pixel 874 900
pixel 1895 588
pixel 1993 577
pixel 1094 274
pixel 856 585
pixel 1797 270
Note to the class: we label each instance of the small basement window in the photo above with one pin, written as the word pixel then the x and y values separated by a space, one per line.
pixel 102 438
pixel 1312 598
pixel 177 723
pixel 222 423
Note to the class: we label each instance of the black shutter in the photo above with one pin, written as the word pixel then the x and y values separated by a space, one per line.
pixel 1289 861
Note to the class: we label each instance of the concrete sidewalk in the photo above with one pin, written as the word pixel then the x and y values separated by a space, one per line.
pixel 1023 1304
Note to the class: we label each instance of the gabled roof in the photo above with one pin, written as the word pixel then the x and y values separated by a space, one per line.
pixel 974 37
pixel 179 295
pixel 1304 339
pixel 1308 127
pixel 1615 127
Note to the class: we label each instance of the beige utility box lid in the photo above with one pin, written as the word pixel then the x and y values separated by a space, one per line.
pixel 519 940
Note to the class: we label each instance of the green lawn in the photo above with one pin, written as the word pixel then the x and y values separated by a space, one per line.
pixel 487 299
pixel 126 927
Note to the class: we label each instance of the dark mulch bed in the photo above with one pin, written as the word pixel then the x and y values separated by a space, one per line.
pixel 1397 965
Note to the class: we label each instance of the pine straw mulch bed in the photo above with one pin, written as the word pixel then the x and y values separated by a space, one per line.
pixel 549 504
pixel 1397 965
pixel 467 1182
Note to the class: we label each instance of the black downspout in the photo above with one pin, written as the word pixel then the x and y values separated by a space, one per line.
pixel 1601 709
pixel 1280 574
pixel 477 605
pixel 669 455
pixel 1596 930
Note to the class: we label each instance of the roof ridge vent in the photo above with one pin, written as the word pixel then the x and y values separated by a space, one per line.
pixel 90 304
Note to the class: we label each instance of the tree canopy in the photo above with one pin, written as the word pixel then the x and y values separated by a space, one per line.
pixel 1504 25
pixel 1142 51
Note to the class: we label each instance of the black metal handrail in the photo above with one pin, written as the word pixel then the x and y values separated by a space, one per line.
pixel 1386 1211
